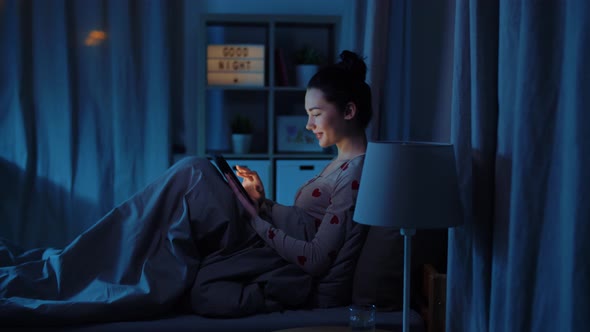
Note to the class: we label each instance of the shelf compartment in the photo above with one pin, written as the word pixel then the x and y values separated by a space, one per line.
pixel 291 37
pixel 223 105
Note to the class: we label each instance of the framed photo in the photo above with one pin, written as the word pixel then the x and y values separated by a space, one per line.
pixel 293 137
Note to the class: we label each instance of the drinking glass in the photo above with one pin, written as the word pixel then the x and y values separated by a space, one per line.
pixel 362 318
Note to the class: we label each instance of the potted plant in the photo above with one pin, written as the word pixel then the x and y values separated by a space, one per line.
pixel 241 128
pixel 307 62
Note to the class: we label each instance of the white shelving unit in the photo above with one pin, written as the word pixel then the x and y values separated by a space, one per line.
pixel 209 130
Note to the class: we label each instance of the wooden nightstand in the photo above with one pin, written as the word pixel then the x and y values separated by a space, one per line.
pixel 433 299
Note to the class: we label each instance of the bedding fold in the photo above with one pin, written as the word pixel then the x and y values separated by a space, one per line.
pixel 183 235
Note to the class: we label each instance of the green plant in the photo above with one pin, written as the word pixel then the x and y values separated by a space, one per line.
pixel 241 124
pixel 308 56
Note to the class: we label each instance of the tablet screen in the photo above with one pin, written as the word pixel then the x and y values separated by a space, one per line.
pixel 229 175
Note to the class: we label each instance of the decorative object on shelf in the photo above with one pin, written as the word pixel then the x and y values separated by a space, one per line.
pixel 241 128
pixel 409 186
pixel 307 63
pixel 232 64
pixel 293 137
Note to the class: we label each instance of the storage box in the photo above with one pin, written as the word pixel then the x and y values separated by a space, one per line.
pixel 292 174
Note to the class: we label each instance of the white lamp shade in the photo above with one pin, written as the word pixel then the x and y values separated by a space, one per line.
pixel 409 185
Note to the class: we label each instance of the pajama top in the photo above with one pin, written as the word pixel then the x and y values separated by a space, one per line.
pixel 328 199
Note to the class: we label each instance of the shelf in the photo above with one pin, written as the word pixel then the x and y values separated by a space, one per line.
pixel 237 87
pixel 245 155
pixel 289 89
pixel 257 88
pixel 207 129
pixel 302 156
pixel 276 156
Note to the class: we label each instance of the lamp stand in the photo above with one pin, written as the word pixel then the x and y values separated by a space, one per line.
pixel 407 234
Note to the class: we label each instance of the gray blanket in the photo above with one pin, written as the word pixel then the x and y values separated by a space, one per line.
pixel 180 244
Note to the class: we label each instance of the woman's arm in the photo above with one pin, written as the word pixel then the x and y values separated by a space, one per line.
pixel 316 256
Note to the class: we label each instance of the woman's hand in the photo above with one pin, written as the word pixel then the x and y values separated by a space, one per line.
pixel 252 184
pixel 250 208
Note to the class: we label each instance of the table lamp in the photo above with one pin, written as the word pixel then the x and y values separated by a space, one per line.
pixel 409 185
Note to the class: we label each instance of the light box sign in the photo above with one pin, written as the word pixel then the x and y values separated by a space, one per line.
pixel 235 64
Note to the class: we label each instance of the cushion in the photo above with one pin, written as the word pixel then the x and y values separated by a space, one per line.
pixel 335 288
pixel 378 277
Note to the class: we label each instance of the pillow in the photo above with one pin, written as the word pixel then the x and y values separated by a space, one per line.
pixel 335 288
pixel 378 278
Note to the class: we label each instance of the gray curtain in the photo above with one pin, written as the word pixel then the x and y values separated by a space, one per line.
pixel 520 118
pixel 373 22
pixel 84 116
pixel 409 50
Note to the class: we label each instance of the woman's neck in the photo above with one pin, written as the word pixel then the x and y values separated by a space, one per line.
pixel 352 146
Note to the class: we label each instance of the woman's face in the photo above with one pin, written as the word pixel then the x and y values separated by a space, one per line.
pixel 324 119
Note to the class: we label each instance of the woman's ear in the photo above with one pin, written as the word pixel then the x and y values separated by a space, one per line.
pixel 350 111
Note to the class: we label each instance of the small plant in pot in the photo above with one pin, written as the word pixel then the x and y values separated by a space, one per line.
pixel 241 128
pixel 307 62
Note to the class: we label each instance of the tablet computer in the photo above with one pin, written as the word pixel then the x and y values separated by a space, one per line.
pixel 229 175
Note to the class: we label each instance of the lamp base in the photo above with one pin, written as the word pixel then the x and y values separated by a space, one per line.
pixel 407 233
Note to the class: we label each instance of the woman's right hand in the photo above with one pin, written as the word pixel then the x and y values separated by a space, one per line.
pixel 252 184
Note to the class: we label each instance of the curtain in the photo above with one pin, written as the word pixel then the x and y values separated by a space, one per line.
pixel 408 45
pixel 85 97
pixel 521 261
pixel 372 27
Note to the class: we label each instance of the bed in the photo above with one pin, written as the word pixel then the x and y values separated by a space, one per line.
pixel 391 321
pixel 377 280
pixel 131 288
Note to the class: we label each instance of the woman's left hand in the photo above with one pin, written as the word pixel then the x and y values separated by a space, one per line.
pixel 252 183
pixel 250 208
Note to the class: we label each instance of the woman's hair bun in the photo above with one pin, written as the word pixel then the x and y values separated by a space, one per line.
pixel 353 63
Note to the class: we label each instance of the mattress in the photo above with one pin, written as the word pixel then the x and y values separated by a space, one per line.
pixel 391 321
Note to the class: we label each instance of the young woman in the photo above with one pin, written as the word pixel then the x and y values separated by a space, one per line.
pixel 185 242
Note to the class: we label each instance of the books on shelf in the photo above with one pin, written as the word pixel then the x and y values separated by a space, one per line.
pixel 235 64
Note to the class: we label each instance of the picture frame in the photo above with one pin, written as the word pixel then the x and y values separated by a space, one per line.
pixel 293 137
